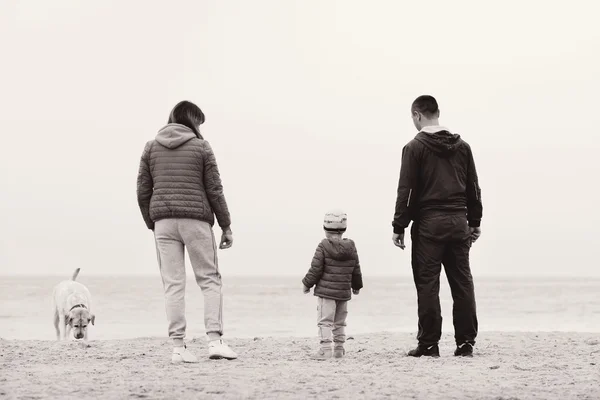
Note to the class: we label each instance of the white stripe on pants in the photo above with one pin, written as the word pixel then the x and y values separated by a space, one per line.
pixel 172 237
pixel 331 320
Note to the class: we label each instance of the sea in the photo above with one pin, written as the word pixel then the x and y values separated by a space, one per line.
pixel 133 306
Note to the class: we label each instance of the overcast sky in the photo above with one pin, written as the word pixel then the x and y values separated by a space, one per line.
pixel 308 107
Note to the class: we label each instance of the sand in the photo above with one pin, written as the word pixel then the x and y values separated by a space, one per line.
pixel 505 366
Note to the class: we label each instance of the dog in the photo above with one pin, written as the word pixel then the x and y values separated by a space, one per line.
pixel 72 309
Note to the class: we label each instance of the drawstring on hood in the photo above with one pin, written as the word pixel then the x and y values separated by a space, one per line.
pixel 174 135
pixel 340 249
pixel 439 140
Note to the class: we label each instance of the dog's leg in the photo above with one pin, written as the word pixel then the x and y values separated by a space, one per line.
pixel 61 326
pixel 56 322
pixel 66 327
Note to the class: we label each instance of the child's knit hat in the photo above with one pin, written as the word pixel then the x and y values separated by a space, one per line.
pixel 335 221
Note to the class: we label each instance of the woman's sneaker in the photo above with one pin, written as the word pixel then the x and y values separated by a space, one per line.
pixel 217 350
pixel 183 355
pixel 464 350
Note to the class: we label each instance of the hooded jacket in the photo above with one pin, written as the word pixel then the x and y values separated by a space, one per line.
pixel 437 175
pixel 178 178
pixel 335 270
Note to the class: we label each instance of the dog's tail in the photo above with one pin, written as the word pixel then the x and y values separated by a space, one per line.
pixel 75 274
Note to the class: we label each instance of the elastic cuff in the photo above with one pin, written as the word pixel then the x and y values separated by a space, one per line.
pixel 178 343
pixel 340 230
pixel 398 230
pixel 474 223
pixel 212 336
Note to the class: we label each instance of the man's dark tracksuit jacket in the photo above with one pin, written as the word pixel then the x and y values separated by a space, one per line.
pixel 439 191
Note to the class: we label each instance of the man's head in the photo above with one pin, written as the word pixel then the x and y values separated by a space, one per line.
pixel 79 318
pixel 425 112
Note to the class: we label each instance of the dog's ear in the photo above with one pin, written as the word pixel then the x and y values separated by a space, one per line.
pixel 93 319
pixel 68 319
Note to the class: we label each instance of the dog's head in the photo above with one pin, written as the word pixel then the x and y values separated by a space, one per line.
pixel 79 319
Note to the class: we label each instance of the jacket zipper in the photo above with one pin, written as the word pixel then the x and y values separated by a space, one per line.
pixel 409 196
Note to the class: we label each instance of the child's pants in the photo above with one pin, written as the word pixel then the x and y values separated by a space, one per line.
pixel 332 320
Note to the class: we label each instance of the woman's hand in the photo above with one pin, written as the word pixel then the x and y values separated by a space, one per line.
pixel 226 239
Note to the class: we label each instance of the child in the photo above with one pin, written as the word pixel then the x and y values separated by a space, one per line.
pixel 335 270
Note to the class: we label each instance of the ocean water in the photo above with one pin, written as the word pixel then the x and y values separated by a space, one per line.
pixel 128 307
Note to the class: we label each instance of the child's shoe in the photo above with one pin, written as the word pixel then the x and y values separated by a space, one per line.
pixel 338 351
pixel 324 353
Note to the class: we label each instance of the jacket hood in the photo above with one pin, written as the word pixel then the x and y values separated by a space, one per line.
pixel 340 249
pixel 439 140
pixel 174 135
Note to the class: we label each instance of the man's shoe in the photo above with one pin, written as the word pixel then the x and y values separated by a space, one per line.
pixel 423 350
pixel 183 355
pixel 217 350
pixel 464 350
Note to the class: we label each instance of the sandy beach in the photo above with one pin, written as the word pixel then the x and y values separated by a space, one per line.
pixel 505 366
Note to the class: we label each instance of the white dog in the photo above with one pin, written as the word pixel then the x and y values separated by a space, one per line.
pixel 72 309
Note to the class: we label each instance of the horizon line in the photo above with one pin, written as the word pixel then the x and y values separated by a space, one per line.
pixel 507 276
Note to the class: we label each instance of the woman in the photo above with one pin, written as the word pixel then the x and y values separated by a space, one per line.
pixel 178 190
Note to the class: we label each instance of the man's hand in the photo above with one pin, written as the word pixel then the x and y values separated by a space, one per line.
pixel 356 291
pixel 305 289
pixel 398 239
pixel 226 239
pixel 475 233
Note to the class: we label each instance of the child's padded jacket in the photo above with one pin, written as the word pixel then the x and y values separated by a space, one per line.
pixel 335 270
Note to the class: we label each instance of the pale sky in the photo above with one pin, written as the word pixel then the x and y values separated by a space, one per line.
pixel 307 107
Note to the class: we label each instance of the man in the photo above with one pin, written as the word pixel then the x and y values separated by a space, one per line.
pixel 439 191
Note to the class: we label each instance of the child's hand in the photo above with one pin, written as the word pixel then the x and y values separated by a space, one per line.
pixel 356 291
pixel 305 289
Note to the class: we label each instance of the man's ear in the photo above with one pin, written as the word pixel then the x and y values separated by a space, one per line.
pixel 93 319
